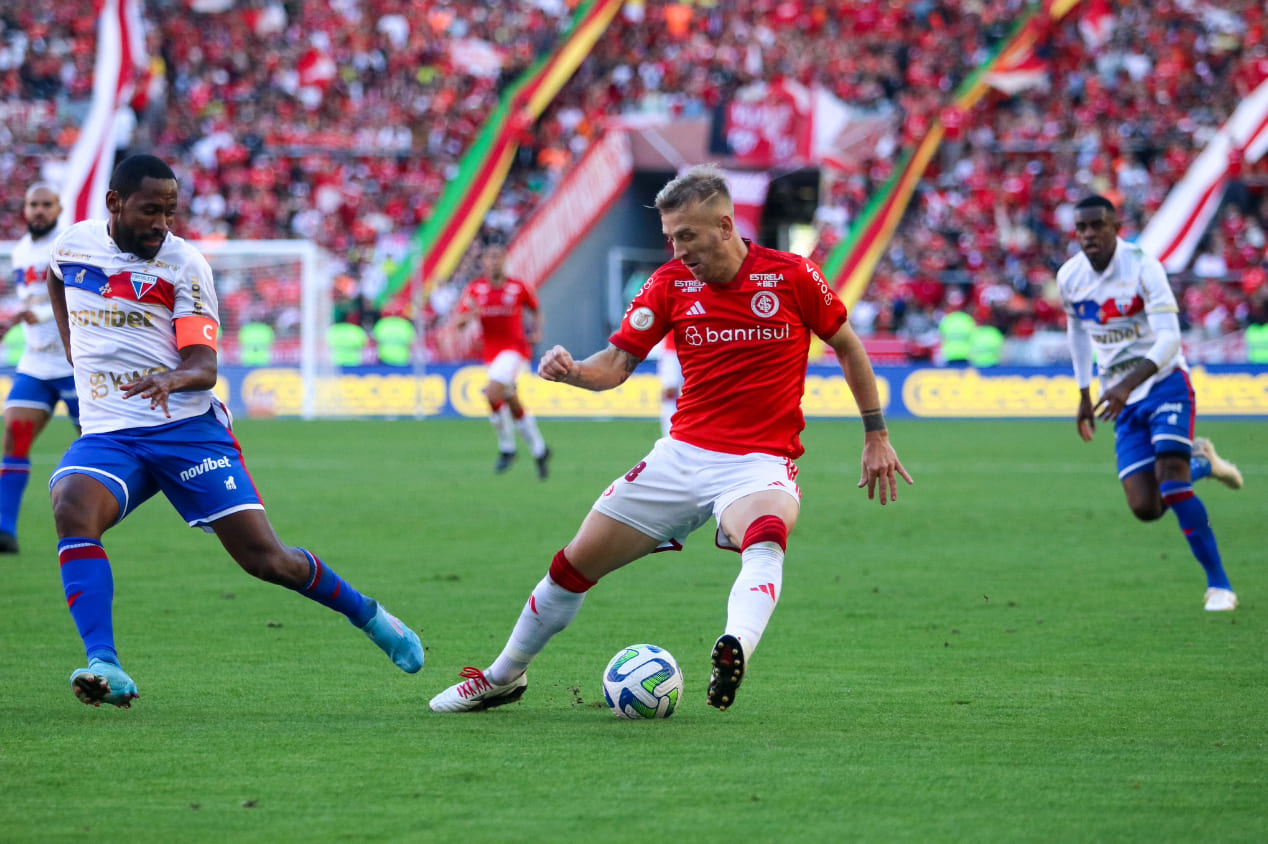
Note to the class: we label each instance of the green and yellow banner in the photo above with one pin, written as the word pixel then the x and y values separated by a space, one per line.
pixel 439 243
pixel 850 265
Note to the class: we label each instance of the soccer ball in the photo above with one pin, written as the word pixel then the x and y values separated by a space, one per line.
pixel 642 681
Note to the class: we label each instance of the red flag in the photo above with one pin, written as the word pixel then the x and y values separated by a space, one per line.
pixel 120 53
pixel 1096 23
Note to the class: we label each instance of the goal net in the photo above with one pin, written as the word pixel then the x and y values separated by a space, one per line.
pixel 276 309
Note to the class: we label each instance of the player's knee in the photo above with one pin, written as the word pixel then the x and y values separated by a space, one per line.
pixel 82 507
pixel 1148 511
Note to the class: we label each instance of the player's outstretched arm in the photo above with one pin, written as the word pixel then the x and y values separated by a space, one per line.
pixel 880 464
pixel 601 371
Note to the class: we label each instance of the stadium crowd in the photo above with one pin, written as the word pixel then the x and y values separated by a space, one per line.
pixel 341 121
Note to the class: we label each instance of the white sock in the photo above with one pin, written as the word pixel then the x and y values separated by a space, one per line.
pixel 549 610
pixel 527 427
pixel 500 419
pixel 755 593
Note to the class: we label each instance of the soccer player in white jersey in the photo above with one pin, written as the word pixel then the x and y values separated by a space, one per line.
pixel 742 316
pixel 44 376
pixel 137 308
pixel 1119 305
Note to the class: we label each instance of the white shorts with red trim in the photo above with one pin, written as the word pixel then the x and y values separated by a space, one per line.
pixel 507 367
pixel 677 487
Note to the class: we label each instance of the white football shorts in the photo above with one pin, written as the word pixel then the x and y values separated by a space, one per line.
pixel 507 367
pixel 677 487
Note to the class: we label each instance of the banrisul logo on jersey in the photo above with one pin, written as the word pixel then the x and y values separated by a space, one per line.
pixel 757 333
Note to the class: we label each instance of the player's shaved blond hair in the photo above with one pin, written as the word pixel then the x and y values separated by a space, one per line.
pixel 702 184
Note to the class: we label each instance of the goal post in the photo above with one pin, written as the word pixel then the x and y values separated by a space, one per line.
pixel 276 301
pixel 285 285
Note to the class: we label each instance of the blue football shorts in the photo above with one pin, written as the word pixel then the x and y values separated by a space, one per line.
pixel 1160 423
pixel 40 394
pixel 195 462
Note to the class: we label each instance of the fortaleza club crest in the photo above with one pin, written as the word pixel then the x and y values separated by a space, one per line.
pixel 765 304
pixel 142 283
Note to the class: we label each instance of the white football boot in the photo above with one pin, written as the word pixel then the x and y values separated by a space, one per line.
pixel 477 693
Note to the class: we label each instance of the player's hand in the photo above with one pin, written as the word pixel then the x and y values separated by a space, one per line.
pixel 556 365
pixel 156 387
pixel 1111 403
pixel 881 467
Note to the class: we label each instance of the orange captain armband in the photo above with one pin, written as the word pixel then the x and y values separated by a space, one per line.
pixel 196 331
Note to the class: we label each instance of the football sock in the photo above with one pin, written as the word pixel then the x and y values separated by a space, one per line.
pixel 1199 468
pixel 89 586
pixel 555 602
pixel 756 590
pixel 14 473
pixel 330 590
pixel 500 419
pixel 527 426
pixel 1191 513
pixel 753 597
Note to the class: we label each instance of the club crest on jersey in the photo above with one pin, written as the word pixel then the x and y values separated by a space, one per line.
pixel 765 304
pixel 1103 312
pixel 141 283
pixel 641 319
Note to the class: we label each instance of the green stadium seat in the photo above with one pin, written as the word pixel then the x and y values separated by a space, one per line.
pixel 346 341
pixel 394 338
pixel 255 344
pixel 14 344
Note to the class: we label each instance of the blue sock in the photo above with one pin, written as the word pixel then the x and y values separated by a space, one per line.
pixel 14 473
pixel 330 590
pixel 1199 468
pixel 1191 513
pixel 89 587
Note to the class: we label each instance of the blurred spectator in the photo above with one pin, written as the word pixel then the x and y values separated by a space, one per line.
pixel 343 120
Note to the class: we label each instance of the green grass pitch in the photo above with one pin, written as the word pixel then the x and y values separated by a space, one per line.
pixel 1004 654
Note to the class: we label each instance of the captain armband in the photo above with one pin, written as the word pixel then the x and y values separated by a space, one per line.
pixel 873 419
pixel 196 331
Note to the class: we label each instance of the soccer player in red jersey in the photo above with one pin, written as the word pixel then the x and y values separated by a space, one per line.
pixel 741 316
pixel 510 323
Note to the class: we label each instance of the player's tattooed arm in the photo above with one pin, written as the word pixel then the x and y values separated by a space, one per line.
pixel 603 370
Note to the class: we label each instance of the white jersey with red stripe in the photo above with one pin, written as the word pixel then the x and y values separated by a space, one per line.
pixel 122 311
pixel 44 356
pixel 1114 308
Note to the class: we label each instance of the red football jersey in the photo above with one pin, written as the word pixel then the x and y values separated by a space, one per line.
pixel 501 313
pixel 743 347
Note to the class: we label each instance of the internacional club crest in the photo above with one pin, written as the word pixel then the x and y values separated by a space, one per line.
pixel 765 304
